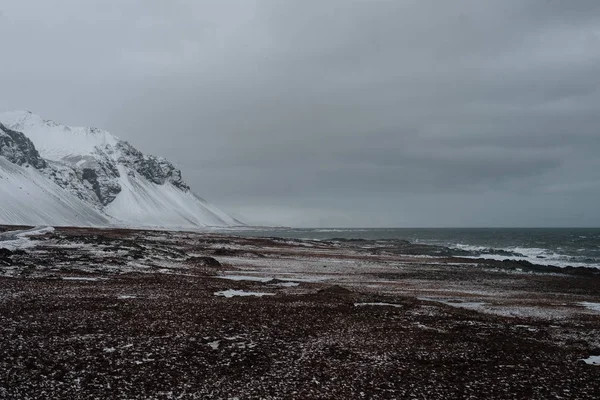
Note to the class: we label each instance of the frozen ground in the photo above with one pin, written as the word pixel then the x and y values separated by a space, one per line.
pixel 19 239
pixel 106 313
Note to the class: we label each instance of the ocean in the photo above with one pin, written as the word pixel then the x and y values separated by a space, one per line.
pixel 546 246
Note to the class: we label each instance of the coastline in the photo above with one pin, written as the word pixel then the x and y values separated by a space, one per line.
pixel 148 313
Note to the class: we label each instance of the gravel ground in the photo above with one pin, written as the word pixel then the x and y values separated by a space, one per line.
pixel 129 314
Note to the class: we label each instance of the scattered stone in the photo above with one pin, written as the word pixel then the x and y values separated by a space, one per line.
pixel 5 253
pixel 204 262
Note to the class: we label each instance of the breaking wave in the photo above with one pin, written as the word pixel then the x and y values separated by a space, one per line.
pixel 534 255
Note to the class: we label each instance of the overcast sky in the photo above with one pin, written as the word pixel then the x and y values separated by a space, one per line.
pixel 333 112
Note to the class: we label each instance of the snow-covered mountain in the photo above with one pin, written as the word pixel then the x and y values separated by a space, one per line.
pixel 60 175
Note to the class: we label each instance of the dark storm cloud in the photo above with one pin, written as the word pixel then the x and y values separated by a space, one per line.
pixel 334 112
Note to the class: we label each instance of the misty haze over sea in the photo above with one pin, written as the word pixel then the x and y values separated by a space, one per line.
pixel 548 246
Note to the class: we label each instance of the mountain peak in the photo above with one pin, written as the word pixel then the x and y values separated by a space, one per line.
pixel 15 118
pixel 106 173
pixel 56 141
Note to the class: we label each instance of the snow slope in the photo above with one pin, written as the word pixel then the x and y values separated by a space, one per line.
pixel 108 177
pixel 142 202
pixel 27 197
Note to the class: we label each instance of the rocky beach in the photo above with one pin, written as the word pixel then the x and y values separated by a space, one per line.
pixel 140 314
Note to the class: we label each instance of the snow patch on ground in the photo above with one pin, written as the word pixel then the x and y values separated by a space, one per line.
pixel 592 360
pixel 590 305
pixel 232 293
pixel 459 303
pixel 81 278
pixel 245 278
pixel 214 345
pixel 287 284
pixel 378 304
pixel 13 240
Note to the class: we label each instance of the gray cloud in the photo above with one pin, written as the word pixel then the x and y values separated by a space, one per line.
pixel 334 112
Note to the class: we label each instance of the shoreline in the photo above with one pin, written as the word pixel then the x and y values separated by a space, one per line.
pixel 160 314
pixel 397 245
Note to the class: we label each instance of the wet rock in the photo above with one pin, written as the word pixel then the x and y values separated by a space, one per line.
pixel 335 290
pixel 204 262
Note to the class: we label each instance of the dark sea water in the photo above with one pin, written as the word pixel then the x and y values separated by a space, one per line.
pixel 549 246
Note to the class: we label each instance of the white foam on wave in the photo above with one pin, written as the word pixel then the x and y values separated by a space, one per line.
pixel 534 255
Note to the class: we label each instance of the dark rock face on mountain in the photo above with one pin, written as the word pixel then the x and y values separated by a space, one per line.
pixel 156 169
pixel 99 174
pixel 18 149
pixel 92 178
pixel 105 189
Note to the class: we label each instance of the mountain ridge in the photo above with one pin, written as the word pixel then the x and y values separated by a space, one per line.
pixel 106 173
